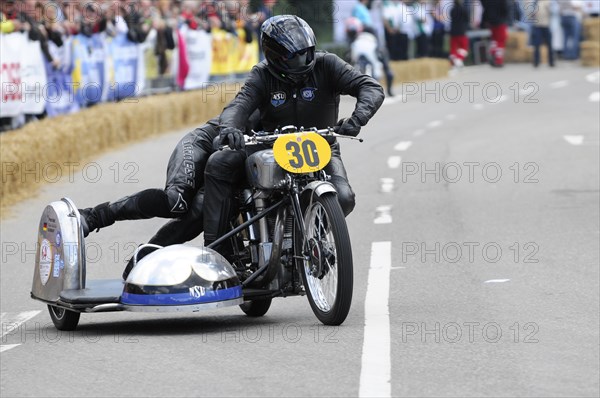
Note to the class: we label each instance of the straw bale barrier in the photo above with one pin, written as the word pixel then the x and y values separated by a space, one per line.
pixel 590 48
pixel 591 29
pixel 77 137
pixel 27 152
pixel 419 69
pixel 518 49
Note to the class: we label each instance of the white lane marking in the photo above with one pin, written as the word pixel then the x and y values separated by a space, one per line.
pixel 10 323
pixel 387 185
pixel 433 124
pixel 527 91
pixel 376 363
pixel 394 162
pixel 418 133
pixel 497 281
pixel 478 107
pixel 595 96
pixel 593 77
pixel 574 139
pixel 559 84
pixel 6 347
pixel 383 215
pixel 392 100
pixel 450 116
pixel 403 145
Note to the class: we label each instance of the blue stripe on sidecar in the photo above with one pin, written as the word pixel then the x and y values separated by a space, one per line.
pixel 181 298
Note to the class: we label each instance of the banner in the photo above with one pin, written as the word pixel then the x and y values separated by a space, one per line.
pixel 199 57
pixel 89 74
pixel 222 43
pixel 33 78
pixel 245 54
pixel 231 54
pixel 10 74
pixel 122 67
pixel 59 93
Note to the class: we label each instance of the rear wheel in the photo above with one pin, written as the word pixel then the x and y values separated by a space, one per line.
pixel 326 260
pixel 256 308
pixel 63 319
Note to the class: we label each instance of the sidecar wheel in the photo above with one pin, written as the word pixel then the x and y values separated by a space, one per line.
pixel 256 308
pixel 63 319
pixel 325 260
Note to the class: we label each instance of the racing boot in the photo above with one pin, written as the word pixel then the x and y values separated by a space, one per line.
pixel 142 205
pixel 94 218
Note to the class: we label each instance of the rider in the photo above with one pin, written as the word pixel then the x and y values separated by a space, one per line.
pixel 293 86
pixel 362 40
pixel 181 199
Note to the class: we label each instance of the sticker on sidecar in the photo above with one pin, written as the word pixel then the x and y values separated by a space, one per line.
pixel 45 261
pixel 304 152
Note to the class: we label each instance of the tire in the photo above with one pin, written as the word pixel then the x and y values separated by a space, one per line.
pixel 325 260
pixel 256 308
pixel 63 319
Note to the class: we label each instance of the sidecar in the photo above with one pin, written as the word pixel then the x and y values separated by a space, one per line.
pixel 178 278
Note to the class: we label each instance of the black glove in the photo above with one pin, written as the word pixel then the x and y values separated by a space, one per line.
pixel 232 137
pixel 348 126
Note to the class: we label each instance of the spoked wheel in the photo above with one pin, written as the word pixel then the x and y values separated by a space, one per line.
pixel 63 319
pixel 326 266
pixel 256 308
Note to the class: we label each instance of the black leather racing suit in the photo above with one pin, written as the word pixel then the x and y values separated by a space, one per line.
pixel 313 103
pixel 183 195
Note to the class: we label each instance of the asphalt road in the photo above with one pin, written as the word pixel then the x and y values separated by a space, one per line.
pixel 477 204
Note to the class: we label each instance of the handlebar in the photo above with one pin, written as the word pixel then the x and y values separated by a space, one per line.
pixel 260 137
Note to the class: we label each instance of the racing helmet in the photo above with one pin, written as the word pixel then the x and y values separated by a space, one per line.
pixel 288 43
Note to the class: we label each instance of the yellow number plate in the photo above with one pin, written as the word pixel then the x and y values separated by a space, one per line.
pixel 304 152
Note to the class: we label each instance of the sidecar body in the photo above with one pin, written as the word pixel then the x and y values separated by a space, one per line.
pixel 178 278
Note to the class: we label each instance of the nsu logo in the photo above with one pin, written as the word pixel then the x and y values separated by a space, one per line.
pixel 197 291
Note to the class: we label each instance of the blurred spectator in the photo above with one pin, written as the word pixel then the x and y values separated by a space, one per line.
pixel 571 14
pixel 541 34
pixel 362 13
pixel 459 42
pixel 495 18
pixel 423 27
pixel 355 26
pixel 438 33
pixel 264 12
pixel 398 28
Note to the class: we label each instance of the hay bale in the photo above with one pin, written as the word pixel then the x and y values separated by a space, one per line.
pixel 590 53
pixel 591 29
pixel 28 151
pixel 419 69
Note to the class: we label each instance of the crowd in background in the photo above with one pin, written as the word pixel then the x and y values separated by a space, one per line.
pixel 403 29
pixel 52 20
pixel 421 28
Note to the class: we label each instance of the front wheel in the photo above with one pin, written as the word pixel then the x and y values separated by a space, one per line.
pixel 256 308
pixel 325 261
pixel 63 319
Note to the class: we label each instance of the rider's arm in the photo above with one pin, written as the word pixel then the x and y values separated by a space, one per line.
pixel 367 91
pixel 247 100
